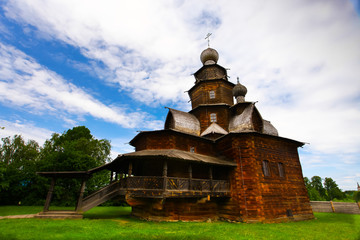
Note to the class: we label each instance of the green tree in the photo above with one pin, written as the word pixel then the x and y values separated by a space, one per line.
pixel 316 183
pixel 332 189
pixel 314 195
pixel 75 150
pixel 357 196
pixel 18 161
pixel 307 182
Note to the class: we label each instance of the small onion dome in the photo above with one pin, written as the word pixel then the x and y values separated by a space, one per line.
pixel 239 91
pixel 209 56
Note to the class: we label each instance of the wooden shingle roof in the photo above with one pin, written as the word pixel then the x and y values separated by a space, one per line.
pixel 177 155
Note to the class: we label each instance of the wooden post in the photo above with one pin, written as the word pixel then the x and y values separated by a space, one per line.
pixel 129 174
pixel 211 178
pixel 49 195
pixel 111 176
pixel 116 176
pixel 165 169
pixel 332 206
pixel 81 195
pixel 130 169
pixel 190 176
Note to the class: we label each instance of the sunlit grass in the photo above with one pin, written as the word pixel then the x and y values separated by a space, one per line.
pixel 116 223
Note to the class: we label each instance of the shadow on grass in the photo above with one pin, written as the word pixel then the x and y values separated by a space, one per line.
pixel 336 218
pixel 7 236
pixel 108 213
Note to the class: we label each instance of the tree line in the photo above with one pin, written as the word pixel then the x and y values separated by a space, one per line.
pixel 74 150
pixel 327 190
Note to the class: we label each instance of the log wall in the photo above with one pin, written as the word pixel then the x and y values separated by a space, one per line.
pixel 254 197
pixel 173 140
pixel 266 198
pixel 199 94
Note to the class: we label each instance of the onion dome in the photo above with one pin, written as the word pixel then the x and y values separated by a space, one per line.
pixel 239 92
pixel 209 56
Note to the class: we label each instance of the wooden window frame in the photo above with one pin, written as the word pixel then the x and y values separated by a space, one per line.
pixel 266 168
pixel 213 117
pixel 212 94
pixel 281 169
pixel 192 149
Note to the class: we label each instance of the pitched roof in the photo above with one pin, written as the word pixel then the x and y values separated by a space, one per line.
pixel 65 174
pixel 214 128
pixel 242 122
pixel 178 155
pixel 250 120
pixel 182 121
pixel 269 128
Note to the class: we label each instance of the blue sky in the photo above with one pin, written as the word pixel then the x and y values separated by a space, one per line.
pixel 113 66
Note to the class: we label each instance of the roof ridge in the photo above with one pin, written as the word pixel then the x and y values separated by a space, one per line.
pixel 214 128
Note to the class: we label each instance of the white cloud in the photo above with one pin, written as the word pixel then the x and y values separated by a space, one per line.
pixel 120 146
pixel 27 130
pixel 25 83
pixel 129 40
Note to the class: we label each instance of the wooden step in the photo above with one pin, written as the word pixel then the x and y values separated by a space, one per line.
pixel 60 215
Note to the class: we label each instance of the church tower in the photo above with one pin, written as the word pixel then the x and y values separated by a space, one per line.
pixel 211 96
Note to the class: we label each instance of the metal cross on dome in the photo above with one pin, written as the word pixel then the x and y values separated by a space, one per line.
pixel 208 38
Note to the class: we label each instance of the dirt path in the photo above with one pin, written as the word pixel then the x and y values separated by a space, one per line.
pixel 18 216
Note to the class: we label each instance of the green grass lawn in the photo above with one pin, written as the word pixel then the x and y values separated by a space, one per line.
pixel 115 223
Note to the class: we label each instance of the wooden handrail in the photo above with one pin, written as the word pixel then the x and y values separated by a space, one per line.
pixel 172 183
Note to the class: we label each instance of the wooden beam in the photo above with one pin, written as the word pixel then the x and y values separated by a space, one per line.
pixel 190 176
pixel 130 168
pixel 81 195
pixel 165 170
pixel 111 176
pixel 49 195
pixel 211 178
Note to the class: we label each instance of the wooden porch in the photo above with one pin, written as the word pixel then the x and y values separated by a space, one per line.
pixel 150 178
pixel 157 187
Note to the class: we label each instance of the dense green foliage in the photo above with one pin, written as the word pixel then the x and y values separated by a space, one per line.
pixel 326 190
pixel 115 223
pixel 357 196
pixel 18 164
pixel 74 150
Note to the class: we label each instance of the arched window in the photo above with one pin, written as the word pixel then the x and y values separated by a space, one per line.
pixel 212 117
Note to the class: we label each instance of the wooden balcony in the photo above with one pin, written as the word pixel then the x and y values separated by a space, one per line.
pixel 141 186
pixel 152 187
pixel 158 187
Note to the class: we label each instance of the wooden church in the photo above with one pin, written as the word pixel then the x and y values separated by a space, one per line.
pixel 219 161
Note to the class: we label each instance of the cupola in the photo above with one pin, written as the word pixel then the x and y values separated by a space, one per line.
pixel 209 56
pixel 239 92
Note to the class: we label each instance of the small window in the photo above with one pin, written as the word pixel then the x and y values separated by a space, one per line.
pixel 212 94
pixel 213 117
pixel 265 167
pixel 289 213
pixel 192 149
pixel 281 169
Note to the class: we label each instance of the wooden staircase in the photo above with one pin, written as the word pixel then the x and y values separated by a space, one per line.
pixel 100 196
pixel 93 200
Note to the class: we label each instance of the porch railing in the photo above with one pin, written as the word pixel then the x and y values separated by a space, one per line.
pixel 174 184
